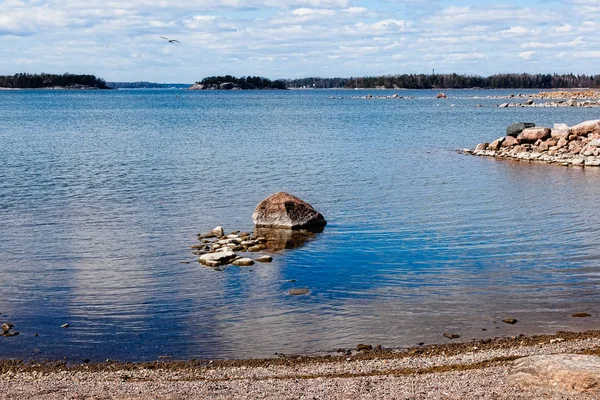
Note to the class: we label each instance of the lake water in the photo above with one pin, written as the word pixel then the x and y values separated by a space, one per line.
pixel 102 195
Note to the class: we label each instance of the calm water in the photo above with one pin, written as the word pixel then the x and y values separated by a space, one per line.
pixel 103 193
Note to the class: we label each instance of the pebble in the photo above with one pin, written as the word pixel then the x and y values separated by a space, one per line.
pixel 364 347
pixel 510 321
pixel 64 326
pixel 264 259
pixel 451 335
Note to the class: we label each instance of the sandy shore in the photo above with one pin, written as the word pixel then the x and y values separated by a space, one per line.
pixel 479 370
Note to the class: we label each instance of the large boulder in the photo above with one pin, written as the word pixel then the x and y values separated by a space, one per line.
pixel 531 135
pixel 558 373
pixel 282 210
pixel 586 128
pixel 517 127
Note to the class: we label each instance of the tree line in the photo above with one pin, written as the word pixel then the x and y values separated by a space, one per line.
pixel 452 81
pixel 38 81
pixel 245 82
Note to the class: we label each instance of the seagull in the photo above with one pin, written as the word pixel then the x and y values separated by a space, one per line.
pixel 170 40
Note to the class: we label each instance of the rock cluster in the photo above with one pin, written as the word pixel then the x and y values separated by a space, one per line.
pixel 390 97
pixel 222 86
pixel 218 249
pixel 563 145
pixel 565 94
pixel 560 103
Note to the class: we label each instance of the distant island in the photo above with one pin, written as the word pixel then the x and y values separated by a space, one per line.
pixel 450 81
pixel 229 82
pixel 49 81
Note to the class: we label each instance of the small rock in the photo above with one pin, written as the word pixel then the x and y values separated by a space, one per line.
pixel 510 321
pixel 243 262
pixel 298 291
pixel 451 335
pixel 9 334
pixel 264 259
pixel 364 347
pixel 581 315
pixel 7 327
pixel 64 326
pixel 254 249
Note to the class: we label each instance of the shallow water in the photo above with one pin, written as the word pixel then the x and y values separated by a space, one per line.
pixel 102 195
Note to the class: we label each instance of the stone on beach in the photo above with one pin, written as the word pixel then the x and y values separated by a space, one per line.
pixel 517 127
pixel 282 210
pixel 264 259
pixel 558 373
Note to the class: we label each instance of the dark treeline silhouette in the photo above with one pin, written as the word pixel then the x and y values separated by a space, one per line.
pixel 245 82
pixel 37 81
pixel 453 81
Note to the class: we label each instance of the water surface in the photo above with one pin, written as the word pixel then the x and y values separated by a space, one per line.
pixel 102 195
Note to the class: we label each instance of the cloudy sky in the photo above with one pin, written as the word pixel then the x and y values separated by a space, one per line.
pixel 119 40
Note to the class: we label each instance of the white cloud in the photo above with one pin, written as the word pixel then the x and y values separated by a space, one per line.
pixel 526 55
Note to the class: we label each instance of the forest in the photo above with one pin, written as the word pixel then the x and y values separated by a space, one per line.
pixel 39 81
pixel 244 83
pixel 452 81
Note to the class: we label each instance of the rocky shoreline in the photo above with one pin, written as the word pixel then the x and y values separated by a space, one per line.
pixel 564 365
pixel 578 145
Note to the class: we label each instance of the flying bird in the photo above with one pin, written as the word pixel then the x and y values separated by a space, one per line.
pixel 170 40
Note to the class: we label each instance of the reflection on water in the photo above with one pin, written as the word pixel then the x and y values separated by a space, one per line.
pixel 101 194
pixel 286 239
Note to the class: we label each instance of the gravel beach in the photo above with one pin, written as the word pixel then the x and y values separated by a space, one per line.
pixel 481 370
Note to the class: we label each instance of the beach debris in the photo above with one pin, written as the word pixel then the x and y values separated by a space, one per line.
pixel 510 321
pixel 451 335
pixel 298 291
pixel 581 315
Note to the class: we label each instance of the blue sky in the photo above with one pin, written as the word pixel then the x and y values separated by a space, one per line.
pixel 119 40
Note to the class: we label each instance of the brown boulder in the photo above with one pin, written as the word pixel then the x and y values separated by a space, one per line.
pixel 282 210
pixel 533 134
pixel 586 128
pixel 482 146
pixel 559 373
pixel 495 145
pixel 510 141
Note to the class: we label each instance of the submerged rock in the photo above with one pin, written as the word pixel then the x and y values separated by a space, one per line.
pixel 298 291
pixel 282 210
pixel 264 259
pixel 451 335
pixel 581 315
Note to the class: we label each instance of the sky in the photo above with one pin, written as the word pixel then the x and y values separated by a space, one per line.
pixel 120 40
